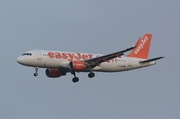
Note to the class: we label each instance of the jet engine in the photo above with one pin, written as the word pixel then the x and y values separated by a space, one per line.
pixel 77 66
pixel 54 73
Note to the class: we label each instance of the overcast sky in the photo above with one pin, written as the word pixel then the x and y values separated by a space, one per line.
pixel 92 26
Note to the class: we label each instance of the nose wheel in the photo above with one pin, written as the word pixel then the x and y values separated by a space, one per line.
pixel 36 73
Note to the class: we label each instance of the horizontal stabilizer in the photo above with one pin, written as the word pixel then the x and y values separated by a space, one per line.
pixel 150 60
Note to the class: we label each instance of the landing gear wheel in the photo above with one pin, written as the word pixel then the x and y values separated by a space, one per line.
pixel 36 71
pixel 35 74
pixel 91 75
pixel 75 79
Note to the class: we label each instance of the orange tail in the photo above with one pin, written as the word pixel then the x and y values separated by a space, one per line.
pixel 142 47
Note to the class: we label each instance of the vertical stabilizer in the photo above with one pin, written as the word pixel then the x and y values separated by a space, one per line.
pixel 142 47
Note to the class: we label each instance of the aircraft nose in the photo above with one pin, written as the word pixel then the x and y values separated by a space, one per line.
pixel 20 60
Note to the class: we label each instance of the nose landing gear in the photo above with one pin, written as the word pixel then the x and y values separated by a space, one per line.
pixel 36 71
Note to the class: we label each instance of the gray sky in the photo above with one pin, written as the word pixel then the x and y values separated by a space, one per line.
pixel 96 26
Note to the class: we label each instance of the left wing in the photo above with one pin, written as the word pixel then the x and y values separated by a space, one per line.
pixel 98 60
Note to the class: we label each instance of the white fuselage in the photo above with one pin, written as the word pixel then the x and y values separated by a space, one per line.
pixel 60 60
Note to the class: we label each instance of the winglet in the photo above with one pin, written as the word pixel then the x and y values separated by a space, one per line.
pixel 142 47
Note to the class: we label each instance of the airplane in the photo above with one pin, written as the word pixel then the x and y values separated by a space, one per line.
pixel 58 63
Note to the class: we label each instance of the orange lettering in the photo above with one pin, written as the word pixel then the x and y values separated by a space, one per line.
pixel 71 57
pixel 84 56
pixel 78 57
pixel 107 60
pixel 51 54
pixel 116 60
pixel 64 55
pixel 58 55
pixel 90 55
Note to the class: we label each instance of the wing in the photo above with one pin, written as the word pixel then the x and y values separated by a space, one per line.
pixel 98 60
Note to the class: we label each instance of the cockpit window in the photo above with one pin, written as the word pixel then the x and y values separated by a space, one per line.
pixel 26 54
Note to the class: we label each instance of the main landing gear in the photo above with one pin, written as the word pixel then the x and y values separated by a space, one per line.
pixel 91 75
pixel 36 69
pixel 76 79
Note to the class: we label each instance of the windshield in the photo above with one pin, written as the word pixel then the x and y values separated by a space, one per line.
pixel 26 54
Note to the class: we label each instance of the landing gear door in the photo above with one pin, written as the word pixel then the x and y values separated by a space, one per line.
pixel 39 55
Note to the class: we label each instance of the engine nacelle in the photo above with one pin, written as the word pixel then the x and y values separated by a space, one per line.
pixel 77 66
pixel 54 73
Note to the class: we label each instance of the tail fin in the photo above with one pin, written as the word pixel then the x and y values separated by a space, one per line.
pixel 142 47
